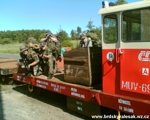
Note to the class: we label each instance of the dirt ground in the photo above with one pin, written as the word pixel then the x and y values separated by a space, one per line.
pixel 16 103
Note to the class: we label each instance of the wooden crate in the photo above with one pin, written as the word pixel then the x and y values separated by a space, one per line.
pixel 83 66
pixel 82 107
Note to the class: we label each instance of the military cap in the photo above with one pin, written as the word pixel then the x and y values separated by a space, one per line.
pixel 23 48
pixel 83 35
pixel 42 43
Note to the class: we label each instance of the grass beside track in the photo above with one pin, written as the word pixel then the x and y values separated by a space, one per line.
pixel 10 48
pixel 14 48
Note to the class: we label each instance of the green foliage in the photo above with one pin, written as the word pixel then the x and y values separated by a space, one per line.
pixel 67 43
pixel 119 2
pixel 20 35
pixel 90 25
pixel 97 31
pixel 75 43
pixel 110 28
pixel 73 34
pixel 63 35
pixel 94 33
pixel 5 41
pixel 79 31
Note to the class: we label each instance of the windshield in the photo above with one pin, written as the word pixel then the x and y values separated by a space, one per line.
pixel 136 25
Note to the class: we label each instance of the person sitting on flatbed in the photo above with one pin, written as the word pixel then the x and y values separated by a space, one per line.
pixel 30 60
pixel 46 59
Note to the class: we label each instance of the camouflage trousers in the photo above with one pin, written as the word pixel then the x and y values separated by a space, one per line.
pixel 49 67
pixel 36 70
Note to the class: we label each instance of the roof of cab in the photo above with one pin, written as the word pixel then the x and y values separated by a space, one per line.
pixel 117 8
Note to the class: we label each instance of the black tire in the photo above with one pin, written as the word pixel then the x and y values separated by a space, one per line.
pixel 2 79
pixel 30 88
pixel 9 81
pixel 37 91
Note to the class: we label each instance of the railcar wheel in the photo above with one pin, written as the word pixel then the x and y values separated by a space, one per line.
pixel 30 88
pixel 2 79
pixel 37 91
pixel 9 81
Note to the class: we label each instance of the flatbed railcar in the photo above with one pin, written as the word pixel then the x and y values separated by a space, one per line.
pixel 123 78
pixel 7 68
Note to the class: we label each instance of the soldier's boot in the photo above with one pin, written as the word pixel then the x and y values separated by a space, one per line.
pixel 58 71
pixel 39 73
pixel 29 74
pixel 50 76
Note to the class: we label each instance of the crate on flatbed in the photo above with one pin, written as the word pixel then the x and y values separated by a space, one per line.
pixel 83 66
pixel 83 107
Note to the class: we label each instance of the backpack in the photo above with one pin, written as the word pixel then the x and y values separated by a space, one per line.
pixel 32 44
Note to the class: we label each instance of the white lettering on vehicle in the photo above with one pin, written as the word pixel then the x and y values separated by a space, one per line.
pixel 57 88
pixel 78 95
pixel 18 78
pixel 145 71
pixel 125 102
pixel 144 56
pixel 74 93
pixel 79 108
pixel 126 109
pixel 78 103
pixel 135 87
pixel 42 84
pixel 74 89
pixel 129 85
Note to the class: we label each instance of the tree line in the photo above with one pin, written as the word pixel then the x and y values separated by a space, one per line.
pixel 20 36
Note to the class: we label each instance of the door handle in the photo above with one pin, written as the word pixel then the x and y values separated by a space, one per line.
pixel 118 53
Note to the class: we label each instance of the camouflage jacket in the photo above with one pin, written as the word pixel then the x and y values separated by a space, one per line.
pixel 31 57
pixel 46 52
pixel 54 46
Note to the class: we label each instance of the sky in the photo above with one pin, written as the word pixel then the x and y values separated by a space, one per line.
pixel 50 15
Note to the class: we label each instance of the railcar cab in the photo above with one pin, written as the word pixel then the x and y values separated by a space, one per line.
pixel 126 49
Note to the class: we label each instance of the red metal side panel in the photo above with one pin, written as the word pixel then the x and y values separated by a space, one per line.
pixel 122 103
pixel 135 77
pixel 24 79
pixel 55 85
pixel 110 70
pixel 125 104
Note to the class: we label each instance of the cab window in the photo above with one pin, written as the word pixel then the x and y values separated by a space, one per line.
pixel 110 28
pixel 136 25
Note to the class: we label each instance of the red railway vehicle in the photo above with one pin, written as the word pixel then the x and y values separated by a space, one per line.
pixel 116 75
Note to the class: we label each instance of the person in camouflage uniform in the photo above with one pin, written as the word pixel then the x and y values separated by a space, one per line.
pixel 55 46
pixel 30 60
pixel 85 41
pixel 47 60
